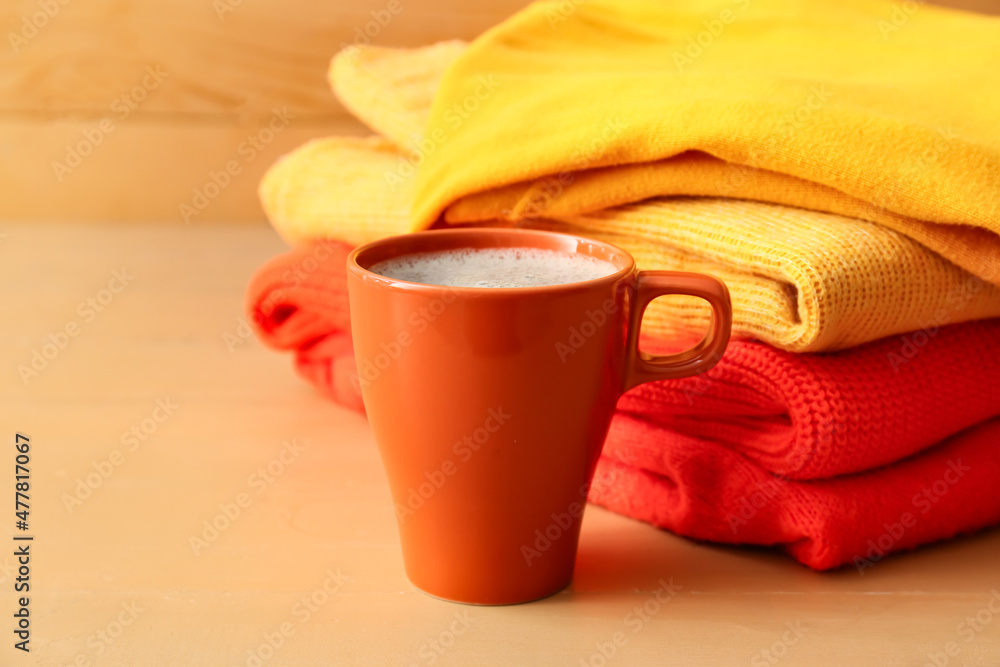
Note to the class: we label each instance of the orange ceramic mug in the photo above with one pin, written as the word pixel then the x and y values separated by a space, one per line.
pixel 490 405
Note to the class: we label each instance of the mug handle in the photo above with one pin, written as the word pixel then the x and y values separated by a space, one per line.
pixel 642 367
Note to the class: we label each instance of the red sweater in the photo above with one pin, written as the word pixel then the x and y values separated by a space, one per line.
pixel 839 458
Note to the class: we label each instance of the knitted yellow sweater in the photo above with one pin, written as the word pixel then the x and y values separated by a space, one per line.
pixel 827 105
pixel 801 280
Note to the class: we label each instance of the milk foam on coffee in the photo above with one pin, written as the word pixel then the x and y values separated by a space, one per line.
pixel 495 267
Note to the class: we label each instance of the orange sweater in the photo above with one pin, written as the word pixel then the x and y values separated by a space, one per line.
pixel 817 453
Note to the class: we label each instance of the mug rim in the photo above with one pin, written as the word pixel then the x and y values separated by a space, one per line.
pixel 558 241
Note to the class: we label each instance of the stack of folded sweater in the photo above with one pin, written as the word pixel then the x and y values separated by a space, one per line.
pixel 836 166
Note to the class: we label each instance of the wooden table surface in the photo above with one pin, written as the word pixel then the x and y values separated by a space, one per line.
pixel 193 502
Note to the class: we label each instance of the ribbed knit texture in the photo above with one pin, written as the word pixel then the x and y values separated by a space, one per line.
pixel 809 103
pixel 800 280
pixel 706 491
pixel 815 452
pixel 298 301
pixel 840 172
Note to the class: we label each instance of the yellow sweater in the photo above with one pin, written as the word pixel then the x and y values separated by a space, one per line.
pixel 800 280
pixel 884 111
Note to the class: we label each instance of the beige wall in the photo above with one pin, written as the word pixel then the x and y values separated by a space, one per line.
pixel 161 94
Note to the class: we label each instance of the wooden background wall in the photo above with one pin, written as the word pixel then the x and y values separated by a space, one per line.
pixel 160 94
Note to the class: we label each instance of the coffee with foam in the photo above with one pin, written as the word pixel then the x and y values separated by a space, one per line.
pixel 495 267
